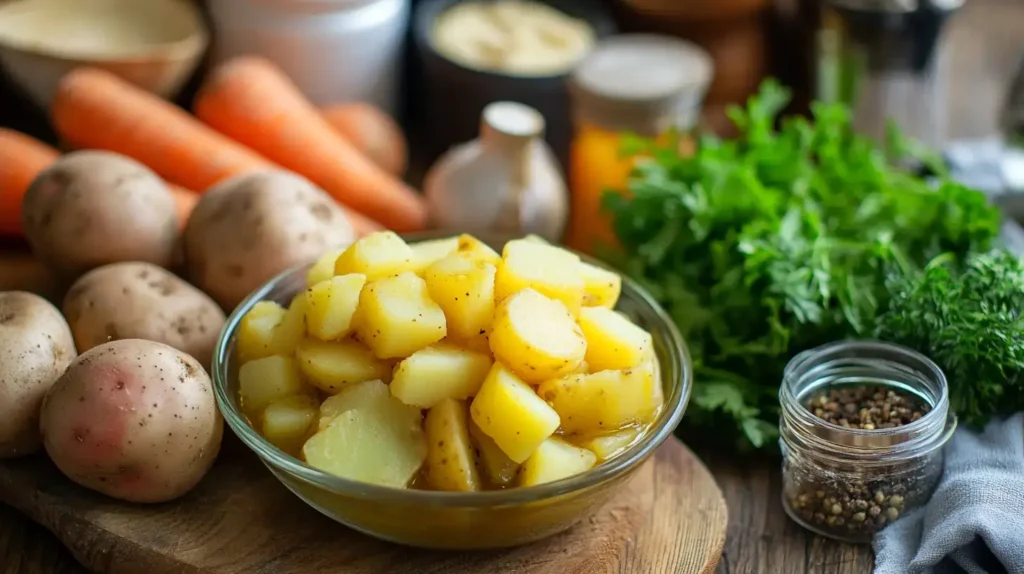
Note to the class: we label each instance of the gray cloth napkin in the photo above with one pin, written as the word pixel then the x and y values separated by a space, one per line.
pixel 974 522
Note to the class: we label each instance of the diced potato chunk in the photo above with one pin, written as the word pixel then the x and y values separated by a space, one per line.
pixel 549 270
pixel 263 381
pixel 613 341
pixel 288 422
pixel 494 465
pixel 323 269
pixel 510 412
pixel 554 460
pixel 333 366
pixel 604 401
pixel 425 253
pixel 536 337
pixel 477 249
pixel 397 317
pixel 331 304
pixel 534 238
pixel 256 331
pixel 464 288
pixel 292 328
pixel 609 445
pixel 376 255
pixel 479 343
pixel 439 372
pixel 450 462
pixel 376 446
pixel 360 396
pixel 601 287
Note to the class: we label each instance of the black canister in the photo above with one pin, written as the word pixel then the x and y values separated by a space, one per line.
pixel 450 97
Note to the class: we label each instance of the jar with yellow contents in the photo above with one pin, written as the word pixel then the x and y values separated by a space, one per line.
pixel 641 84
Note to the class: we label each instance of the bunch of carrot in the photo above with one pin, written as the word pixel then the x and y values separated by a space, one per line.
pixel 248 116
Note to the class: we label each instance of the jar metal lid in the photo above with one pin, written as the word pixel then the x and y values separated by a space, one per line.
pixel 639 81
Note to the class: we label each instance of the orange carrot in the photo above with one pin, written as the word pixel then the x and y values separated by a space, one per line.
pixel 371 131
pixel 95 109
pixel 251 101
pixel 185 200
pixel 21 160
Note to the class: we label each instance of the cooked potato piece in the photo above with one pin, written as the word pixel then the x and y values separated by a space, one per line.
pixel 507 410
pixel 425 253
pixel 256 331
pixel 613 341
pixel 479 343
pixel 355 397
pixel 536 337
pixel 554 460
pixel 266 380
pixel 379 442
pixel 397 317
pixel 450 462
pixel 331 304
pixel 464 288
pixel 494 465
pixel 477 249
pixel 333 366
pixel 604 401
pixel 288 422
pixel 534 238
pixel 439 372
pixel 601 287
pixel 609 445
pixel 292 328
pixel 549 270
pixel 323 269
pixel 377 255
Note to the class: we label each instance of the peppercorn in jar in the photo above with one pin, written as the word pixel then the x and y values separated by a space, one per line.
pixel 862 429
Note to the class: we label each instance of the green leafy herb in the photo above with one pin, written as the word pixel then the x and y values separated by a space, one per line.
pixel 778 241
pixel 968 319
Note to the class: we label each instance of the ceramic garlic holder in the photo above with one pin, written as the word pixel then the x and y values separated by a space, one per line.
pixel 505 181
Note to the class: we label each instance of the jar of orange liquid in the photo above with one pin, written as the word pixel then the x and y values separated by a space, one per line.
pixel 640 84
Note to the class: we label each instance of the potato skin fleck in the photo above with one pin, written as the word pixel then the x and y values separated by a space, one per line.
pixel 35 348
pixel 248 229
pixel 136 300
pixel 91 208
pixel 133 419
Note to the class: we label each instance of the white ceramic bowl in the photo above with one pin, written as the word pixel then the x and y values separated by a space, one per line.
pixel 154 44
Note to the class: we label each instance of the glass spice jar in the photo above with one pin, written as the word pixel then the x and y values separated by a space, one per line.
pixel 848 479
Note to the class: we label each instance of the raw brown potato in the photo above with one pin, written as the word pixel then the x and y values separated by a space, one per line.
pixel 91 208
pixel 536 337
pixel 135 300
pixel 35 348
pixel 450 463
pixel 133 419
pixel 248 229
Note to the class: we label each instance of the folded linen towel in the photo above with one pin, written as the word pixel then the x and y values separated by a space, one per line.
pixel 974 522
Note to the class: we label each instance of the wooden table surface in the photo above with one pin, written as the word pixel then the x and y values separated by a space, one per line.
pixel 986 44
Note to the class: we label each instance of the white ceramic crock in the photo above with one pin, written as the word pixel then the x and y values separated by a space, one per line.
pixel 334 50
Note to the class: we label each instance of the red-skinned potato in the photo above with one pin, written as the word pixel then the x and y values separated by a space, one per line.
pixel 35 348
pixel 133 419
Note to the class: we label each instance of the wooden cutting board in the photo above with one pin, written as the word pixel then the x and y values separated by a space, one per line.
pixel 670 518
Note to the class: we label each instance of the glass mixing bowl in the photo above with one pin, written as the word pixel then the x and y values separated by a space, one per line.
pixel 458 520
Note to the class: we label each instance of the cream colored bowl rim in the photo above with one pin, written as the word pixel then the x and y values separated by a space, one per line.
pixel 193 42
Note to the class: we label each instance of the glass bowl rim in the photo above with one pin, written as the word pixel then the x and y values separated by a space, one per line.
pixel 668 420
